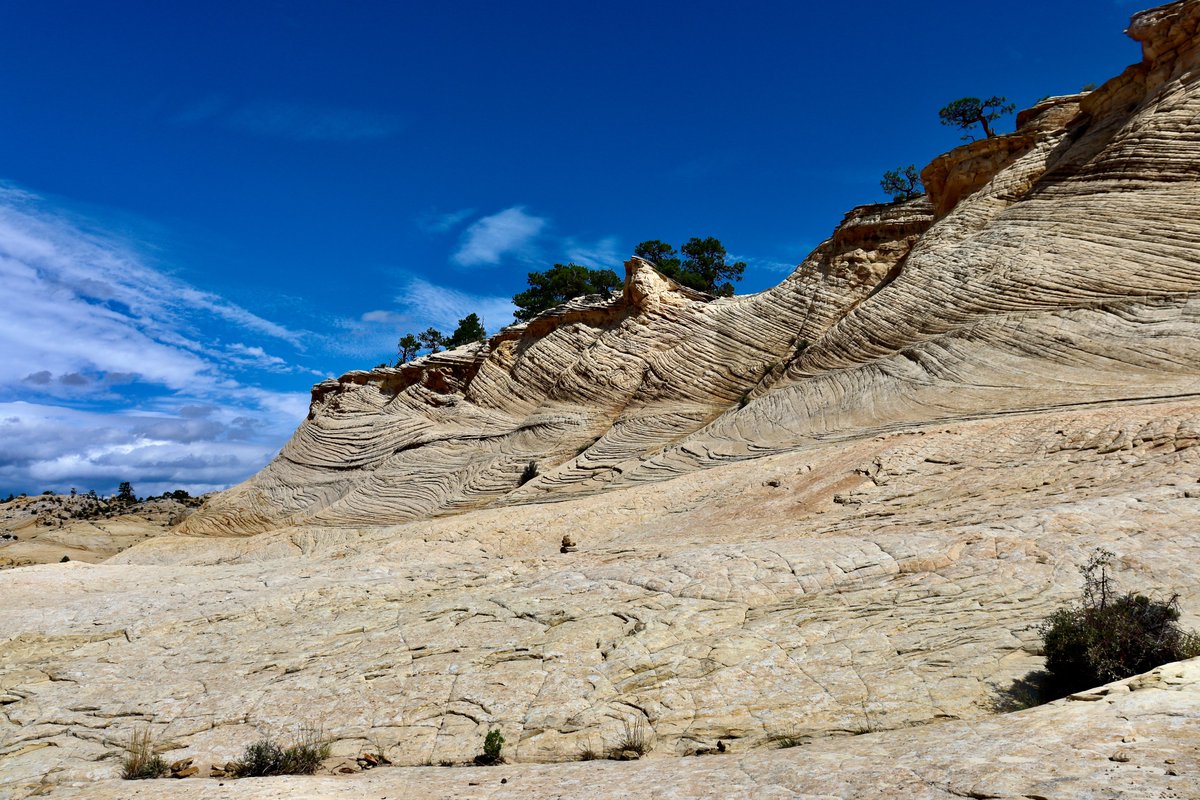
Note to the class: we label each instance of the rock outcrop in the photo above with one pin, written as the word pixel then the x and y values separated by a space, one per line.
pixel 830 513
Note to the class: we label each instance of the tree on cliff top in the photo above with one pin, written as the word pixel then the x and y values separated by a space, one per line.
pixel 431 339
pixel 703 265
pixel 470 329
pixel 902 183
pixel 968 111
pixel 561 283
pixel 406 348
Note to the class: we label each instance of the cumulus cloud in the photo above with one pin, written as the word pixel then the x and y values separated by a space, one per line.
pixel 51 447
pixel 114 370
pixel 489 239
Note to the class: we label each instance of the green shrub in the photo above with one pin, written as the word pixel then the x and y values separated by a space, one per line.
pixel 140 761
pixel 491 748
pixel 267 757
pixel 1107 637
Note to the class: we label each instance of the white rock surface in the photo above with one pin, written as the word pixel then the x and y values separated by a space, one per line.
pixel 838 506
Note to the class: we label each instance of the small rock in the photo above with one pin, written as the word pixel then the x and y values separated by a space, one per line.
pixel 1120 756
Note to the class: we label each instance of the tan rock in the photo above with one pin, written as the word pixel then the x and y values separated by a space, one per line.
pixel 833 511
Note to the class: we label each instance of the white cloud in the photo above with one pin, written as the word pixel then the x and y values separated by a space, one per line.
pixel 52 447
pixel 765 264
pixel 254 356
pixel 434 222
pixel 107 361
pixel 600 254
pixel 427 304
pixel 489 239
pixel 383 317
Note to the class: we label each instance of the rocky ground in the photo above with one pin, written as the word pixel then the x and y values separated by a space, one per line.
pixel 832 513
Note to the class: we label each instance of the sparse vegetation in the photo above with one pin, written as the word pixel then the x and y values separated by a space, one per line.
pixel 634 741
pixel 787 740
pixel 125 493
pixel 968 111
pixel 703 265
pixel 492 744
pixel 1109 636
pixel 470 329
pixel 529 473
pixel 140 762
pixel 902 183
pixel 587 752
pixel 561 283
pixel 267 757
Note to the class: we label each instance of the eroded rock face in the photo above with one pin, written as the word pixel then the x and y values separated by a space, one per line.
pixel 833 511
pixel 1063 264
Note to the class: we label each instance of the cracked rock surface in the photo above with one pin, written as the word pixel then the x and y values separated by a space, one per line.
pixel 832 512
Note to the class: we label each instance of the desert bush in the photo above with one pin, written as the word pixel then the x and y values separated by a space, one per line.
pixel 140 762
pixel 491 748
pixel 1109 636
pixel 530 472
pixel 268 757
pixel 634 739
pixel 587 752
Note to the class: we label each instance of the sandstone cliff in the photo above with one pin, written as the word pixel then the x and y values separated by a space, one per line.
pixel 1055 264
pixel 832 511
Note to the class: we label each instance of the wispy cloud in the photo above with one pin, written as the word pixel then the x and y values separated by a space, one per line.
pixel 767 264
pixel 103 352
pixel 489 239
pixel 602 253
pixel 443 222
pixel 426 304
pixel 305 122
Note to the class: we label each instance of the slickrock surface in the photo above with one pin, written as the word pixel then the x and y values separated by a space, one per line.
pixel 832 511
pixel 1135 739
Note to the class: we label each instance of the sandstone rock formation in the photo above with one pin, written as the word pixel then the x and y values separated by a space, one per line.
pixel 831 512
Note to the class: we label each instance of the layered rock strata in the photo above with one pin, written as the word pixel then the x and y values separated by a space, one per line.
pixel 832 512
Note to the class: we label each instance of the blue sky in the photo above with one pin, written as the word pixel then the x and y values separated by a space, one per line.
pixel 206 207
